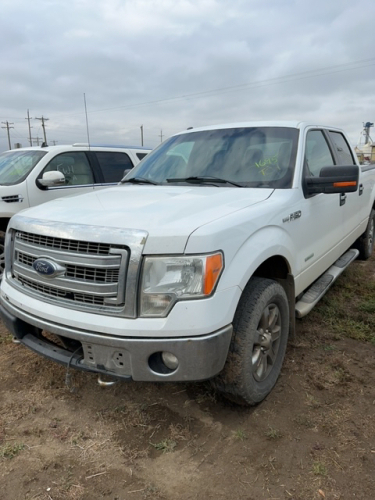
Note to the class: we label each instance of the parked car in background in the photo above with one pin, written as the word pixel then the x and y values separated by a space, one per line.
pixel 31 176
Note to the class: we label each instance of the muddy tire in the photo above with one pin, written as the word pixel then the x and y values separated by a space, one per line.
pixel 2 256
pixel 365 243
pixel 257 349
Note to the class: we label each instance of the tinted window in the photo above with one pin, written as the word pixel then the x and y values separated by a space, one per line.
pixel 317 154
pixel 141 155
pixel 113 165
pixel 74 166
pixel 15 166
pixel 254 157
pixel 342 148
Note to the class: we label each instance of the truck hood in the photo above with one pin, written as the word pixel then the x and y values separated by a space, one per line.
pixel 168 213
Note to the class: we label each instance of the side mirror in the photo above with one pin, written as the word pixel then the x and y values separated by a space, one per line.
pixel 53 178
pixel 126 171
pixel 339 179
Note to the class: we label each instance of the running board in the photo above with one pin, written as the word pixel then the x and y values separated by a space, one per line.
pixel 322 284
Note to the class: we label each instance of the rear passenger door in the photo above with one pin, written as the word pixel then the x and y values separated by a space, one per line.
pixel 355 204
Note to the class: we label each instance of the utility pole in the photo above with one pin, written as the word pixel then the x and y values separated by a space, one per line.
pixel 37 139
pixel 161 135
pixel 141 135
pixel 44 128
pixel 8 126
pixel 28 119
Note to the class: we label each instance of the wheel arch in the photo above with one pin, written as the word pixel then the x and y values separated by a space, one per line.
pixel 278 269
pixel 4 221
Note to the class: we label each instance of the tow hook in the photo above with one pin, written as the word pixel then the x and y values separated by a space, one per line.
pixel 106 383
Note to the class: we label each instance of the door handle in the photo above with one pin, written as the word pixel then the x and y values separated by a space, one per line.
pixel 342 199
pixel 361 189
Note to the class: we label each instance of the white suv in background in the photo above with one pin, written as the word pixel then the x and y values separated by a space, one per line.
pixel 31 176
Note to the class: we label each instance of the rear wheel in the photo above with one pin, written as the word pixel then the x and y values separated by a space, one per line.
pixel 365 243
pixel 256 353
pixel 2 256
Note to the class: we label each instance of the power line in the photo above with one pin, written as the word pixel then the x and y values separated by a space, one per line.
pixel 258 83
pixel 327 70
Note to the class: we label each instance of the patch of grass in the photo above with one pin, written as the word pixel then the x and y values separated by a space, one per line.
pixel 311 401
pixel 165 446
pixel 347 310
pixel 319 469
pixel 341 375
pixel 304 421
pixel 11 450
pixel 329 348
pixel 6 338
pixel 240 434
pixel 368 306
pixel 272 433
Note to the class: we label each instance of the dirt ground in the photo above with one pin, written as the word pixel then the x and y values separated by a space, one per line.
pixel 312 438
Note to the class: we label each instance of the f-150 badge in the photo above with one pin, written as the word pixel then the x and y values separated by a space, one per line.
pixel 293 216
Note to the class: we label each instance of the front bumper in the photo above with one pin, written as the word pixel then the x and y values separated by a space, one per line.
pixel 200 357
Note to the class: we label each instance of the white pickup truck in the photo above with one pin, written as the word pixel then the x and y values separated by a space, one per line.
pixel 30 176
pixel 196 266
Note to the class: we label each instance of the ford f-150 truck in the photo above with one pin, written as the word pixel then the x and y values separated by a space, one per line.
pixel 30 176
pixel 197 265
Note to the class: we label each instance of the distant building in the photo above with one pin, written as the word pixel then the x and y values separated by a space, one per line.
pixel 365 150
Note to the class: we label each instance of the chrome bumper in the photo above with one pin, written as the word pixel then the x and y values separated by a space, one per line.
pixel 127 358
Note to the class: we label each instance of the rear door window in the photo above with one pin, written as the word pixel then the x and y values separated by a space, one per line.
pixel 342 148
pixel 113 165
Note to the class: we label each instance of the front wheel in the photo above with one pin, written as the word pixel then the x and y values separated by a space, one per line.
pixel 260 335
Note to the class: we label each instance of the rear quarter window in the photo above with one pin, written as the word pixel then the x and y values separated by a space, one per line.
pixel 113 164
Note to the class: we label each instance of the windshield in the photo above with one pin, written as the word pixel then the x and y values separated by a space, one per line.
pixel 245 157
pixel 15 166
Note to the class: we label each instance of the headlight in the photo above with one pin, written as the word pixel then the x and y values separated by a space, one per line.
pixel 165 280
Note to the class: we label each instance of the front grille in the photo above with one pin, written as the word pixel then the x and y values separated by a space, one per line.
pixel 88 274
pixel 79 272
pixel 47 290
pixel 64 244
pixel 91 276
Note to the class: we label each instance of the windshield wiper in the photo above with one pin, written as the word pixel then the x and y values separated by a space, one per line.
pixel 139 180
pixel 203 180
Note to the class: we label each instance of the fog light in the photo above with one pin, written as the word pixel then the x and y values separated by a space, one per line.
pixel 169 360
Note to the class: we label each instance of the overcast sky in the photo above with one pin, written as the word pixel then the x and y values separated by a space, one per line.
pixel 171 64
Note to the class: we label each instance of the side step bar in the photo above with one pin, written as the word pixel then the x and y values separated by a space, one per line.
pixel 322 284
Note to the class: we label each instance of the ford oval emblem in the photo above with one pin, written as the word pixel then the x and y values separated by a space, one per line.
pixel 48 268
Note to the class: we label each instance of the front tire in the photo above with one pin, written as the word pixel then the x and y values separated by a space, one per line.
pixel 257 349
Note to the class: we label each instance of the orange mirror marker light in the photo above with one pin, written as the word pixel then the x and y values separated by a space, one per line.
pixel 214 266
pixel 345 184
